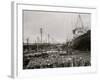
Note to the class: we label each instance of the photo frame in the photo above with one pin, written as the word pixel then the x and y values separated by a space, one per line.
pixel 20 15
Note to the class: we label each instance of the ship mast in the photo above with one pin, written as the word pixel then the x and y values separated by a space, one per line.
pixel 79 19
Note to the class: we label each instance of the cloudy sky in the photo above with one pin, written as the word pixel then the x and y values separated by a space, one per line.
pixel 58 25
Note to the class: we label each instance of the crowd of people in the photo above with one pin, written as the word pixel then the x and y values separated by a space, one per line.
pixel 54 60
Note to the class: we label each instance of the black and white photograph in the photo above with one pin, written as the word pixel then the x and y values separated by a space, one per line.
pixel 53 39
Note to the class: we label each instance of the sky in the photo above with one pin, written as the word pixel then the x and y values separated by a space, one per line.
pixel 58 25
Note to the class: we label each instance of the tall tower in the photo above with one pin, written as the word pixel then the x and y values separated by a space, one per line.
pixel 41 34
pixel 48 38
pixel 27 40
